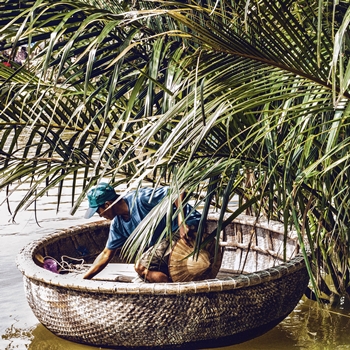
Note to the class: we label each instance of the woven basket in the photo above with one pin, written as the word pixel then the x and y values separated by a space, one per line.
pixel 255 289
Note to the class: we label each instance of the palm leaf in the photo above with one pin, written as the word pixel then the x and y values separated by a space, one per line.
pixel 233 91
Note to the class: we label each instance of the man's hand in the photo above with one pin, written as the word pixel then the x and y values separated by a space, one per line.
pixel 183 228
pixel 188 234
pixel 100 263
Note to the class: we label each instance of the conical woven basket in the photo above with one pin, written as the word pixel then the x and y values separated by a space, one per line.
pixel 253 291
pixel 184 266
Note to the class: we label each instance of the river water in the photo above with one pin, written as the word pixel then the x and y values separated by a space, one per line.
pixel 307 327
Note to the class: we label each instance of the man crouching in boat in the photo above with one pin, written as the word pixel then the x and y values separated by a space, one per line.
pixel 126 214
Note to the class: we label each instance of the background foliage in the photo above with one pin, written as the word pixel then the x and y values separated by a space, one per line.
pixel 246 98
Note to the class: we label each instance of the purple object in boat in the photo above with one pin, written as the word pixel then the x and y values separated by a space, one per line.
pixel 51 265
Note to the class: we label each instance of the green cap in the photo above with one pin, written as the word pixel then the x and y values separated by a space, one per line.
pixel 98 196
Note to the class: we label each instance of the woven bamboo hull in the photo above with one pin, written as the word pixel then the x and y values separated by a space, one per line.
pixel 119 314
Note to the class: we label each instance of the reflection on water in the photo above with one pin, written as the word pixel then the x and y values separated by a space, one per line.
pixel 307 327
pixel 18 338
pixel 44 339
pixel 39 338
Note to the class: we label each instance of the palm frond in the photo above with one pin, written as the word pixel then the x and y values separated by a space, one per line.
pixel 252 95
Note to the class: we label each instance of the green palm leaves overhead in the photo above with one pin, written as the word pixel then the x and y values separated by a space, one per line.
pixel 216 98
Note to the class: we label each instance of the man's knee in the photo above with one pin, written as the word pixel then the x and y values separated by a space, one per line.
pixel 151 276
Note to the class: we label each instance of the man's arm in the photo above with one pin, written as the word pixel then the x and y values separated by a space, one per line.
pixel 100 263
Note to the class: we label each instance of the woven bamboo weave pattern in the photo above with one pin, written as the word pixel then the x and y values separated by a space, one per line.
pixel 254 287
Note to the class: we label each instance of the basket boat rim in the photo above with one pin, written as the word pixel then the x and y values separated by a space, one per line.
pixel 35 273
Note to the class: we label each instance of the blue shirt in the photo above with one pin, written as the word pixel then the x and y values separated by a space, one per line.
pixel 140 203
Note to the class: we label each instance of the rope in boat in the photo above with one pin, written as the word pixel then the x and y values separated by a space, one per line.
pixel 65 265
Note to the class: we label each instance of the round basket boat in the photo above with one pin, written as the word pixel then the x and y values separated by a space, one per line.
pixel 255 289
